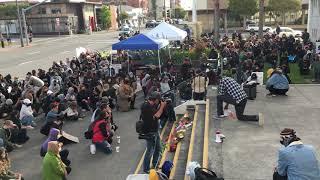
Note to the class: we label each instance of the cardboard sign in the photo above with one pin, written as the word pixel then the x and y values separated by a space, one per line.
pixel 116 67
pixel 318 47
pixel 259 77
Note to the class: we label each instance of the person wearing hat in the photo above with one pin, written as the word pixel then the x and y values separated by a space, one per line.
pixel 277 84
pixel 151 111
pixel 26 115
pixel 5 164
pixel 296 161
pixel 15 134
pixel 52 166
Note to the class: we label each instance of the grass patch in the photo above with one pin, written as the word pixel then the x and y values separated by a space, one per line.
pixel 295 76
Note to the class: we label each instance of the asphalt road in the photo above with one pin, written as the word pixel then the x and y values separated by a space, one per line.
pixel 18 61
pixel 115 166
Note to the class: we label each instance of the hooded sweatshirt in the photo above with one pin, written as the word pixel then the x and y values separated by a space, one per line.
pixel 52 167
pixel 53 136
pixel 25 111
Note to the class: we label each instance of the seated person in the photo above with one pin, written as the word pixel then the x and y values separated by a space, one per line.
pixel 6 108
pixel 5 172
pixel 277 84
pixel 5 140
pixel 16 135
pixel 54 136
pixel 252 80
pixel 52 166
pixel 52 120
pixel 26 114
pixel 296 160
pixel 71 112
pixel 102 136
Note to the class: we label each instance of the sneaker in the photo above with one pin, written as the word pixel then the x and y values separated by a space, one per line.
pixel 17 146
pixel 261 120
pixel 33 124
pixel 220 116
pixel 273 95
pixel 80 119
pixel 29 127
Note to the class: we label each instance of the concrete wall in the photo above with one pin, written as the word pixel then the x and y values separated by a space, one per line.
pixel 206 18
pixel 314 20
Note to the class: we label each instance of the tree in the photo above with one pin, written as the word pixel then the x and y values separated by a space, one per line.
pixel 105 17
pixel 179 13
pixel 244 8
pixel 261 17
pixel 281 7
pixel 10 10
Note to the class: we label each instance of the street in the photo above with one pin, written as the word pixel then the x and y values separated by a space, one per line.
pixel 18 61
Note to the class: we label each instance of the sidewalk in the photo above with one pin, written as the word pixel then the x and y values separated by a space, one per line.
pixel 250 152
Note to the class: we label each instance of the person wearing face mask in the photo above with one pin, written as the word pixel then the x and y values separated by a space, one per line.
pixel 5 173
pixel 296 161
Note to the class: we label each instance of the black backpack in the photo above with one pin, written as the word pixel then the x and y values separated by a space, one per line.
pixel 205 174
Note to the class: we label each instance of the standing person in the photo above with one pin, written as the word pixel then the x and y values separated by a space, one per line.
pixel 151 111
pixel 185 69
pixel 230 91
pixel 296 160
pixel 305 36
pixel 52 167
pixel 278 30
pixel 199 86
pixel 125 95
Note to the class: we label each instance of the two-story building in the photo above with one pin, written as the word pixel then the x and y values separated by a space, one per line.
pixel 314 20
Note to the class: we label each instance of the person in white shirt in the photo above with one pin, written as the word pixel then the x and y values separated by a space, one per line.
pixel 199 86
pixel 26 114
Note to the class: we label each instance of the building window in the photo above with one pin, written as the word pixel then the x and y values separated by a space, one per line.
pixel 42 10
pixel 56 11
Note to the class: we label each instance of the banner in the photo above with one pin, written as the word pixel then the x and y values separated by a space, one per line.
pixel 318 47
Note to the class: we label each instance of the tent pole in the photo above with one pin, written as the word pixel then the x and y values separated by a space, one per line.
pixel 169 52
pixel 128 62
pixel 110 64
pixel 159 61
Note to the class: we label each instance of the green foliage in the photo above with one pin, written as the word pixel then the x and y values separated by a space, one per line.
pixel 124 16
pixel 179 13
pixel 10 10
pixel 105 14
pixel 284 6
pixel 243 7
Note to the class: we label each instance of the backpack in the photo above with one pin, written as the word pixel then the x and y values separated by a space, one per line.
pixel 140 126
pixel 89 133
pixel 205 174
pixel 166 168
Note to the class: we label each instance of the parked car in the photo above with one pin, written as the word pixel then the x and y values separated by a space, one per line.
pixel 151 24
pixel 126 31
pixel 254 27
pixel 289 31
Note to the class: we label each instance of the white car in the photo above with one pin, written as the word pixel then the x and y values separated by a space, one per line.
pixel 289 31
pixel 253 27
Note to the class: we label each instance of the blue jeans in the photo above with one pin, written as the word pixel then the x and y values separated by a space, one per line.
pixel 27 120
pixel 104 146
pixel 153 149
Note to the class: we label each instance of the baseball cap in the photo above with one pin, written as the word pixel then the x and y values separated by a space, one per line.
pixel 155 95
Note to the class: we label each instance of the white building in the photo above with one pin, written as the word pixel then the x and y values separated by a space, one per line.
pixel 314 20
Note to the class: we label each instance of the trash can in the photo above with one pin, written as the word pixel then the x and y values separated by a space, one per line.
pixel 251 91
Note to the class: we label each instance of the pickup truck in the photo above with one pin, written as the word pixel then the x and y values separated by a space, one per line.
pixel 254 27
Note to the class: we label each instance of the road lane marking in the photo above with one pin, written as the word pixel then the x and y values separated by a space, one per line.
pixel 65 52
pixel 32 53
pixel 24 63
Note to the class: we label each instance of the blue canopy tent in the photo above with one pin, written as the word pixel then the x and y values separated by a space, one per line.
pixel 141 42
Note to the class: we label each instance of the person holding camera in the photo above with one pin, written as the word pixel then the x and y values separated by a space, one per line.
pixel 151 110
pixel 296 160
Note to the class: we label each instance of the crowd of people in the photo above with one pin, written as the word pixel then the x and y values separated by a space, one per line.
pixel 88 83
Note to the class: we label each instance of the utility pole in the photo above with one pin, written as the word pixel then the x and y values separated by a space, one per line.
pixel 194 11
pixel 20 26
pixel 24 19
pixel 216 20
pixel 261 18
